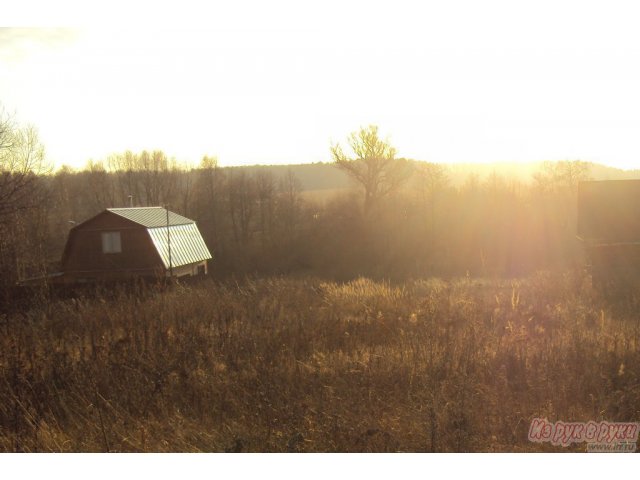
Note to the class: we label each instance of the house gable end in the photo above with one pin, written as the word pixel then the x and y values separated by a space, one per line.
pixel 86 237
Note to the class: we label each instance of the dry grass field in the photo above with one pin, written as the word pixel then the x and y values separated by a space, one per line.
pixel 304 365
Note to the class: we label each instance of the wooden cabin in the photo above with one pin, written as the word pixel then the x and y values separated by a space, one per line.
pixel 126 243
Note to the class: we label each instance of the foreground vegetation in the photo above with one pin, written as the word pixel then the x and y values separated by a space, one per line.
pixel 304 365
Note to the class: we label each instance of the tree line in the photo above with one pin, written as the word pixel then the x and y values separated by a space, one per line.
pixel 402 218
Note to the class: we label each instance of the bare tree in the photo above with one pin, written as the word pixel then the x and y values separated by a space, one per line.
pixel 100 185
pixel 265 190
pixel 124 166
pixel 289 203
pixel 560 179
pixel 185 187
pixel 150 177
pixel 242 198
pixel 158 176
pixel 21 161
pixel 22 190
pixel 373 165
pixel 431 180
pixel 209 199
pixel 564 174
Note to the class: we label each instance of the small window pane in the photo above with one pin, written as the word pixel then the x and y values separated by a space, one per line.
pixel 111 242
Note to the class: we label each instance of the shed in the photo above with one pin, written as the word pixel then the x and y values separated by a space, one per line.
pixel 125 243
pixel 609 226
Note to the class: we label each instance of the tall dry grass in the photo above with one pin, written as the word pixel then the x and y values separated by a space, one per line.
pixel 304 365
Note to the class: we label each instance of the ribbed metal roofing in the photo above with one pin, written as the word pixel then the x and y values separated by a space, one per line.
pixel 151 217
pixel 187 245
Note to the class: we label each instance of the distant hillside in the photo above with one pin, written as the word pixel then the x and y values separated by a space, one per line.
pixel 602 172
pixel 312 176
pixel 325 176
pixel 524 171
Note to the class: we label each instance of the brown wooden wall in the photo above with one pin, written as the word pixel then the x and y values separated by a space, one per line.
pixel 83 255
pixel 609 211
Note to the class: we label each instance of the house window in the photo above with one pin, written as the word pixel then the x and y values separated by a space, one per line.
pixel 111 242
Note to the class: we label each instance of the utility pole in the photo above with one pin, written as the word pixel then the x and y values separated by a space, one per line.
pixel 169 242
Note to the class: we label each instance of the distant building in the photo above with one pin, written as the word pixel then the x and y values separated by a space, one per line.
pixel 122 243
pixel 609 226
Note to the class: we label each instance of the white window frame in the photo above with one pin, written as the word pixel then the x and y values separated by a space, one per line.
pixel 111 242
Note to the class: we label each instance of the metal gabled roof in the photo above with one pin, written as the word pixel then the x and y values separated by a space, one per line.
pixel 187 245
pixel 151 217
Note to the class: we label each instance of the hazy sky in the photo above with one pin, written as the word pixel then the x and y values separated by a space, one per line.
pixel 278 81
